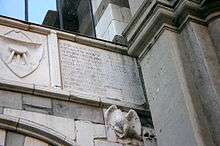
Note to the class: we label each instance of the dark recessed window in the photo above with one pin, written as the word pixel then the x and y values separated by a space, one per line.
pixel 70 15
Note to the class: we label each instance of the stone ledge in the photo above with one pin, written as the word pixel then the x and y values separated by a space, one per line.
pixel 16 86
pixel 101 44
pixel 57 93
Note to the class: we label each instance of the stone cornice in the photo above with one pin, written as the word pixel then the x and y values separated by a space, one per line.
pixel 93 42
pixel 60 94
pixel 154 15
pixel 150 27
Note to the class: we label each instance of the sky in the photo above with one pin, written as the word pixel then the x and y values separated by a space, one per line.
pixel 37 9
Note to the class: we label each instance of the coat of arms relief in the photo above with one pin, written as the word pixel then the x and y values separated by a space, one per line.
pixel 20 53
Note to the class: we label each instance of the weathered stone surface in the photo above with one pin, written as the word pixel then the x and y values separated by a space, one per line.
pixel 10 99
pixel 77 111
pixel 87 131
pixel 105 143
pixel 112 21
pixel 2 137
pixel 111 136
pixel 24 56
pixel 16 86
pixel 215 34
pixel 37 101
pixel 134 5
pixel 1 110
pixel 54 59
pixel 149 137
pixel 203 76
pixel 29 141
pixel 166 98
pixel 14 139
pixel 62 125
pixel 37 104
pixel 37 109
pixel 100 73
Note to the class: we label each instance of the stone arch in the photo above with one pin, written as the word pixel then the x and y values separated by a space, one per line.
pixel 35 130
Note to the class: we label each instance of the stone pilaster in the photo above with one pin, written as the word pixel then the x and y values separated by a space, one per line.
pixel 180 68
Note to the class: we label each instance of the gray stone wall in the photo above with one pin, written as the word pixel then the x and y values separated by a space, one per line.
pixel 55 88
pixel 165 94
pixel 50 64
pixel 205 72
pixel 77 123
pixel 177 44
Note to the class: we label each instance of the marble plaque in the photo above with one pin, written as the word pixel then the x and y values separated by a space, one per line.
pixel 100 73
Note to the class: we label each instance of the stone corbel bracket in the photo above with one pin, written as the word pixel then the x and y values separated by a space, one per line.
pixel 125 125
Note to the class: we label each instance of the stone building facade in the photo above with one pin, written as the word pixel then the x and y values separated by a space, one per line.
pixel 160 88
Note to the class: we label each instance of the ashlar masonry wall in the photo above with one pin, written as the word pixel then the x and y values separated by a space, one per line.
pixel 55 88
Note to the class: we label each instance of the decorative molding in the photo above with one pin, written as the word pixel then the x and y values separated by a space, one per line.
pixel 30 128
pixel 19 53
pixel 153 15
pixel 93 42
pixel 56 93
pixel 125 125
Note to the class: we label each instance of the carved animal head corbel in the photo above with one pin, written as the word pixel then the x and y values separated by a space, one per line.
pixel 125 125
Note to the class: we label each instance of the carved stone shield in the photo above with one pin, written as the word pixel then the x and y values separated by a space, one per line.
pixel 20 53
